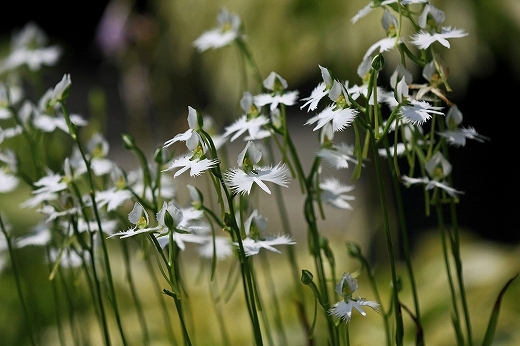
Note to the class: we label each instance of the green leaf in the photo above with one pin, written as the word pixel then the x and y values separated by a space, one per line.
pixel 493 320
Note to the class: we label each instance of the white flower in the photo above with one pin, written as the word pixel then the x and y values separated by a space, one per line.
pixel 371 5
pixel 423 39
pixel 41 236
pixel 438 167
pixel 287 99
pixel 47 189
pixel 10 132
pixel 139 218
pixel 112 198
pixel 458 137
pixel 241 179
pixel 333 193
pixel 346 286
pixel 252 125
pixel 320 91
pixel 417 112
pixel 384 45
pixel 255 225
pixel 108 226
pixel 191 137
pixel 338 156
pixel 28 48
pixel 8 181
pixel 397 149
pixel 340 118
pixel 241 182
pixel 62 89
pixel 430 184
pixel 252 247
pixel 437 15
pixel 53 214
pixel 227 31
pixel 219 246
pixel 196 166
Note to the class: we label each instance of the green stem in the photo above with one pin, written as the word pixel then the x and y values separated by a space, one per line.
pixel 389 246
pixel 133 292
pixel 18 283
pixel 453 294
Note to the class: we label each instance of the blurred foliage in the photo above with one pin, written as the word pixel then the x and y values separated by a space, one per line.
pixel 161 73
pixel 291 37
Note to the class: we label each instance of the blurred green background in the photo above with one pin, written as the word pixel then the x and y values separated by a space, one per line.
pixel 144 86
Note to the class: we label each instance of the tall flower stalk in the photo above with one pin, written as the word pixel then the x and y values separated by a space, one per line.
pixel 403 129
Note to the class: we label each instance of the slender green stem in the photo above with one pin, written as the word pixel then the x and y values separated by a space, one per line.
pixel 453 293
pixel 133 292
pixel 389 245
pixel 18 283
pixel 162 303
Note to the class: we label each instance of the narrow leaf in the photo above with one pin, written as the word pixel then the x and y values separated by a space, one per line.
pixel 493 320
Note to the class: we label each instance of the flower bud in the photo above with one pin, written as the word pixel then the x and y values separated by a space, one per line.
pixel 378 62
pixel 128 141
pixel 306 277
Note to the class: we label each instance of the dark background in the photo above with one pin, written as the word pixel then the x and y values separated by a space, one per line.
pixel 486 172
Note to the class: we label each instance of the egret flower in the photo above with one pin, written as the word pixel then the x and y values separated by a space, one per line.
pixel 338 113
pixel 423 39
pixel 430 184
pixel 255 226
pixel 227 31
pixel 320 91
pixel 47 190
pixel 338 156
pixel 252 121
pixel 346 286
pixel 190 136
pixel 139 218
pixel 333 192
pixel 112 198
pixel 241 179
pixel 417 112
pixel 196 166
pixel 277 85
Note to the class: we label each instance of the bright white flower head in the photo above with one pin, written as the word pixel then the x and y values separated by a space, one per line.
pixel 47 189
pixel 255 226
pixel 241 179
pixel 28 48
pixel 320 91
pixel 433 12
pixel 252 121
pixel 112 198
pixel 40 237
pixel 191 137
pixel 139 218
pixel 227 31
pixel 8 181
pixel 417 112
pixel 346 286
pixel 340 118
pixel 430 184
pixel 438 167
pixel 333 192
pixel 253 126
pixel 277 85
pixel 196 166
pixel 53 214
pixel 338 156
pixel 423 39
pixel 457 138
pixel 62 89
